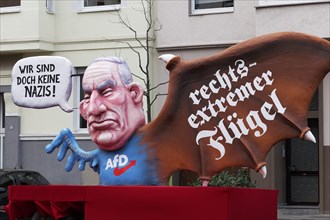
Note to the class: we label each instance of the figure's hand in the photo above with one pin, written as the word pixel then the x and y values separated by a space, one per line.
pixel 65 140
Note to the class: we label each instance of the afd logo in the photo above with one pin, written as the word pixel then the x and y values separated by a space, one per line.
pixel 120 164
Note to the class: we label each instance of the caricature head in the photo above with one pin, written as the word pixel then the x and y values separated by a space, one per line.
pixel 112 104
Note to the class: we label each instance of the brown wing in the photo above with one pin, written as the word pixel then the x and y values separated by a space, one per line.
pixel 231 108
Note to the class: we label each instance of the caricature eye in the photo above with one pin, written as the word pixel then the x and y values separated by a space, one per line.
pixel 86 98
pixel 107 92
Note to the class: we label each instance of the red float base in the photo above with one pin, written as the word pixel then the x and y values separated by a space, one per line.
pixel 141 202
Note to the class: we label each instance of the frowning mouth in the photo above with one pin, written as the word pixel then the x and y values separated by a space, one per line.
pixel 104 124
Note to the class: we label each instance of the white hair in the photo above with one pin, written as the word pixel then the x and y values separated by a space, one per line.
pixel 123 68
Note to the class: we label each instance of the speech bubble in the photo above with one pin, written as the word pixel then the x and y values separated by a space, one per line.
pixel 42 82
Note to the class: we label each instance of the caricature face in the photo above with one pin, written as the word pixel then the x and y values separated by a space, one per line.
pixel 112 109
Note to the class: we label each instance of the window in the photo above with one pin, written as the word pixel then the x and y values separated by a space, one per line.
pixel 10 6
pixel 6 180
pixel 9 3
pixel 287 2
pixel 31 178
pixel 211 6
pixel 89 3
pixel 80 123
pixel 99 5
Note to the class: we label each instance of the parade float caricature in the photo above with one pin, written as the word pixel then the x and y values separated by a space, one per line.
pixel 226 110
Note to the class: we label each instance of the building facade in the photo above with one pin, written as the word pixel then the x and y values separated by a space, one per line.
pixel 197 28
pixel 80 31
pixel 83 30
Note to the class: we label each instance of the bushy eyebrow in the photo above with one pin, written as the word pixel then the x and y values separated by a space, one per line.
pixel 99 87
pixel 106 84
pixel 87 88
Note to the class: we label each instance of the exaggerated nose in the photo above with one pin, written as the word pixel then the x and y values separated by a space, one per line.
pixel 96 105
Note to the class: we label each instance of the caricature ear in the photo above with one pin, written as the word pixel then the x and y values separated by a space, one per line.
pixel 136 92
pixel 82 112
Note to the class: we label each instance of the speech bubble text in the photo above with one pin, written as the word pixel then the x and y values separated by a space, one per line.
pixel 42 82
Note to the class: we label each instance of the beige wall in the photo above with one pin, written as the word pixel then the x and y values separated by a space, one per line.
pixel 181 29
pixel 306 18
pixel 30 28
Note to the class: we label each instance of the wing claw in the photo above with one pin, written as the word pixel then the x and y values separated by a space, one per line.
pixel 309 137
pixel 166 57
pixel 263 172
